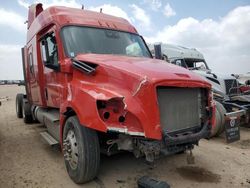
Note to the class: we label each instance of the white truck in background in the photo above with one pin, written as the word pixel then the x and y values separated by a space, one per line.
pixel 192 59
pixel 228 97
pixel 244 78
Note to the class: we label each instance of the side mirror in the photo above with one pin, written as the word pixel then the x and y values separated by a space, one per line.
pixel 209 71
pixel 158 53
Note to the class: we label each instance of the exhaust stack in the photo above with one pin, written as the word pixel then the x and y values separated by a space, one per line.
pixel 34 11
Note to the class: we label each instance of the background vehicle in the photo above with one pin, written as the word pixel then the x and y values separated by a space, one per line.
pixel 244 79
pixel 192 59
pixel 226 88
pixel 244 88
pixel 91 80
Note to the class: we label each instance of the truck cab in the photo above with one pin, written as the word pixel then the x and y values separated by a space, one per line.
pixel 92 81
pixel 192 59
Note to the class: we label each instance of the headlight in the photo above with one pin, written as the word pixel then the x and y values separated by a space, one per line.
pixel 112 111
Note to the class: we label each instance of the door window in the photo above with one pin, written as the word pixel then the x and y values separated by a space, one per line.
pixel 49 51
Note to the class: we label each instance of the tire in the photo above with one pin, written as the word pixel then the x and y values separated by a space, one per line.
pixel 27 115
pixel 216 128
pixel 221 111
pixel 86 144
pixel 19 105
pixel 220 120
pixel 248 123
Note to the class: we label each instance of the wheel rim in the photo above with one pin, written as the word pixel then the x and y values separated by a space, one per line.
pixel 70 148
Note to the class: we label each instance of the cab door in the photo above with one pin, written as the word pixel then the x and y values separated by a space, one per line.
pixel 51 69
pixel 32 77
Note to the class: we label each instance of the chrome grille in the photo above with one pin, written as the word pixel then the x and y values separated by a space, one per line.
pixel 180 108
pixel 231 83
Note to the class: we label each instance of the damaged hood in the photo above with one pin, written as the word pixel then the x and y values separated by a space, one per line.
pixel 153 69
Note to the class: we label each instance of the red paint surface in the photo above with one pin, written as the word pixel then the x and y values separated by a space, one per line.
pixel 245 89
pixel 131 80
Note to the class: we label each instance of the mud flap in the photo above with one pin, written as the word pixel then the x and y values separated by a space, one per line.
pixel 232 128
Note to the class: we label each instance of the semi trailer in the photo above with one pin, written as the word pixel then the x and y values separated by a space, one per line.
pixel 92 81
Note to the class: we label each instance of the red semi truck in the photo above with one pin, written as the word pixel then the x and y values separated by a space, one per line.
pixel 91 80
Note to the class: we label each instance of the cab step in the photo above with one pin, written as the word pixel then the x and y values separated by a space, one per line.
pixel 49 139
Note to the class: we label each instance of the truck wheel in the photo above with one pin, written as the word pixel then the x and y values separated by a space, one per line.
pixel 27 115
pixel 216 127
pixel 81 151
pixel 19 105
pixel 220 120
pixel 221 112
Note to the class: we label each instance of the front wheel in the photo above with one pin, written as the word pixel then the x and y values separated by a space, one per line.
pixel 81 151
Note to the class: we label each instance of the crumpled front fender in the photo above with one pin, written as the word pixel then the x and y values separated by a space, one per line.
pixel 83 99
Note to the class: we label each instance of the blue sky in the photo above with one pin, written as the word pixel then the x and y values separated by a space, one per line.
pixel 219 29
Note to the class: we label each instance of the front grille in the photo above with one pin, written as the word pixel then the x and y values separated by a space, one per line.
pixel 231 83
pixel 181 108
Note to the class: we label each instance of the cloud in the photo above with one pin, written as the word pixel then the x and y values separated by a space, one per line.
pixel 23 4
pixel 46 3
pixel 225 43
pixel 67 3
pixel 10 62
pixel 168 11
pixel 12 19
pixel 140 15
pixel 155 5
pixel 106 8
pixel 111 10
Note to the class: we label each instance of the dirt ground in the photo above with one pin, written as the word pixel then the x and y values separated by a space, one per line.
pixel 26 161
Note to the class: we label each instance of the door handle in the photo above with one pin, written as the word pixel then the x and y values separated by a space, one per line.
pixel 46 93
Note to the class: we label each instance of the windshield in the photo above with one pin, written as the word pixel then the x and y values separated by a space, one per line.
pixel 191 64
pixel 79 39
pixel 195 64
pixel 179 62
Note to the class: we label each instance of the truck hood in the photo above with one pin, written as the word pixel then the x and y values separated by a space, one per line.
pixel 210 73
pixel 217 80
pixel 155 70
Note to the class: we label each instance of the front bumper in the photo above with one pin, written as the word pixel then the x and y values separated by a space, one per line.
pixel 191 135
pixel 172 143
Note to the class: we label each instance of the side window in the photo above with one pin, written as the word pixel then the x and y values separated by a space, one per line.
pixel 49 51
